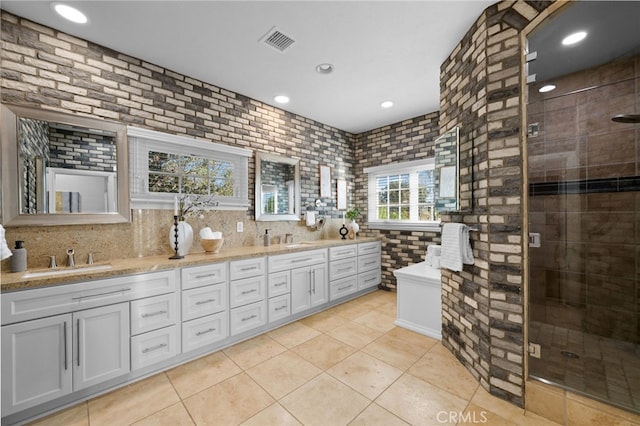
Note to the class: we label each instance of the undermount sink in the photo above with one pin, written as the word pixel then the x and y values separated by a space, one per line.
pixel 300 244
pixel 73 270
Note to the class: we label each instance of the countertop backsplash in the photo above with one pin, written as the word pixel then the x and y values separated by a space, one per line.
pixel 148 235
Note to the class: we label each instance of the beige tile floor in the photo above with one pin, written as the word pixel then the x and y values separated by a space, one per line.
pixel 347 365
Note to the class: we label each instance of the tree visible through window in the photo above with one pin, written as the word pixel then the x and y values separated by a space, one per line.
pixel 172 173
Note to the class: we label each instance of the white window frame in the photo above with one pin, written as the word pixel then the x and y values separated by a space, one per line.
pixel 142 141
pixel 411 167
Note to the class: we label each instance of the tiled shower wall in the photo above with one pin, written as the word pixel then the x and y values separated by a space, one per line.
pixel 584 178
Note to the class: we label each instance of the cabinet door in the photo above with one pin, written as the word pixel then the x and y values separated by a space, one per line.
pixel 36 362
pixel 101 336
pixel 300 290
pixel 319 285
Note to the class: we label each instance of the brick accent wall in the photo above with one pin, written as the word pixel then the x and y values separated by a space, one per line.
pixel 46 68
pixel 483 306
pixel 408 140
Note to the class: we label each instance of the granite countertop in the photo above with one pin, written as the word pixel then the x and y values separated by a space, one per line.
pixel 10 281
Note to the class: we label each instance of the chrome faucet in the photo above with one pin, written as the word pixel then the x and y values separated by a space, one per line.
pixel 288 238
pixel 71 261
pixel 52 262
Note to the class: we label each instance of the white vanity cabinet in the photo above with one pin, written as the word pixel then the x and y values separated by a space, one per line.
pixel 279 292
pixel 343 271
pixel 61 339
pixel 204 305
pixel 309 277
pixel 247 294
pixel 369 263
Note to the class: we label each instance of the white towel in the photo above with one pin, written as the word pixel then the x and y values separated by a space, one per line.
pixel 456 248
pixel 4 249
pixel 433 251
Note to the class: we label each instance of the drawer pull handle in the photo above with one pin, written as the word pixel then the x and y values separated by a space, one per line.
pixel 370 279
pixel 344 270
pixel 371 263
pixel 154 348
pixel 249 318
pixel 281 308
pixel 306 259
pixel 280 284
pixel 199 277
pixel 122 291
pixel 344 288
pixel 200 333
pixel 249 291
pixel 153 314
pixel 340 253
pixel 202 302
pixel 251 268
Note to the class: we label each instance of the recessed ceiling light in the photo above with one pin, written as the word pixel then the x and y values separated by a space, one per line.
pixel 70 13
pixel 546 88
pixel 324 69
pixel 281 99
pixel 574 38
pixel 386 104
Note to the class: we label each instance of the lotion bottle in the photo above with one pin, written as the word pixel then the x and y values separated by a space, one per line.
pixel 267 238
pixel 19 258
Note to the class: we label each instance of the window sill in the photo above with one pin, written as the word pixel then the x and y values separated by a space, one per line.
pixel 391 226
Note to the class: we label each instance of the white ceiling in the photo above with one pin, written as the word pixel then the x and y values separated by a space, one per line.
pixel 381 50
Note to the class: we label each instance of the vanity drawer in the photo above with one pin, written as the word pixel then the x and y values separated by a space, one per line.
pixel 248 317
pixel 368 248
pixel 368 262
pixel 279 307
pixel 239 269
pixel 283 262
pixel 153 313
pixel 337 253
pixel 279 283
pixel 201 301
pixel 247 291
pixel 204 331
pixel 25 305
pixel 155 346
pixel 369 279
pixel 198 276
pixel 343 268
pixel 342 287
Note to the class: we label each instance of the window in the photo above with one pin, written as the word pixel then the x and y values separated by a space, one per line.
pixel 164 165
pixel 402 196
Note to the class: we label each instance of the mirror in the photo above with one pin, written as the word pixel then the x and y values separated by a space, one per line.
pixel 60 169
pixel 277 188
pixel 447 170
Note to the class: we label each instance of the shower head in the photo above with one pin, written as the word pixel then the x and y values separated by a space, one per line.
pixel 626 118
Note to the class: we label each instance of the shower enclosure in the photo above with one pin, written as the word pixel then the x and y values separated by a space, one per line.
pixel 584 213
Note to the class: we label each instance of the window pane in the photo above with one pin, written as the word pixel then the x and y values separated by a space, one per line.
pixel 382 183
pixel 382 213
pixel 394 197
pixel 394 213
pixel 405 196
pixel 394 182
pixel 222 187
pixel 163 183
pixel 163 162
pixel 383 197
pixel 425 213
pixel 404 213
pixel 193 185
pixel 404 181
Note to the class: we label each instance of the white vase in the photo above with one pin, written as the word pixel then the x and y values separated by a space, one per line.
pixel 185 238
pixel 354 226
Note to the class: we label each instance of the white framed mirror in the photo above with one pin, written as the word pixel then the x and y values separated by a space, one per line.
pixel 61 169
pixel 277 188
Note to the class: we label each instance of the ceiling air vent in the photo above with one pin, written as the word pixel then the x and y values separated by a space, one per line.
pixel 277 40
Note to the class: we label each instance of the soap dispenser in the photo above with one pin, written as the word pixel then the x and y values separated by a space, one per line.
pixel 267 238
pixel 19 258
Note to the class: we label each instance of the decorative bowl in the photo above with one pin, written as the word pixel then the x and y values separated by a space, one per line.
pixel 212 246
